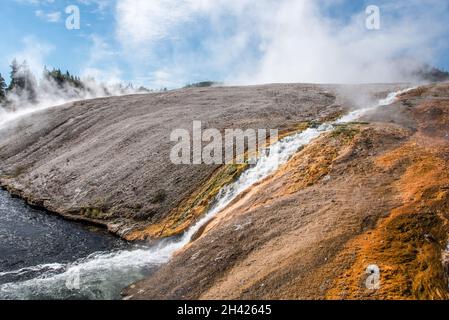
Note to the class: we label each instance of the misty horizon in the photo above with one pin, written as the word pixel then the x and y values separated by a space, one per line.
pixel 169 44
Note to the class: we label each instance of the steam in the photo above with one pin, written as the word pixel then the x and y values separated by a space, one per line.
pixel 309 41
pixel 45 92
pixel 303 46
pixel 170 43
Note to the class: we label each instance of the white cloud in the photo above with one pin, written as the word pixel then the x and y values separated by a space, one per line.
pixel 303 46
pixel 34 52
pixel 100 50
pixel 101 5
pixel 101 62
pixel 110 76
pixel 54 16
pixel 35 2
pixel 293 40
pixel 167 78
pixel 140 21
pixel 142 25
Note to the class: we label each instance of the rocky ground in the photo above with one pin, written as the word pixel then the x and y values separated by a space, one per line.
pixel 367 193
pixel 372 192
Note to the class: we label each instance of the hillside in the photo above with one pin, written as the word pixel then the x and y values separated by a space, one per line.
pixel 107 160
pixel 368 192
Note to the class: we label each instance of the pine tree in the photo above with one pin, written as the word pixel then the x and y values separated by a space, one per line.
pixel 23 83
pixel 63 79
pixel 30 83
pixel 14 75
pixel 2 89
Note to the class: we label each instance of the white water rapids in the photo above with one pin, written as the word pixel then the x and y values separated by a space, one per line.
pixel 104 275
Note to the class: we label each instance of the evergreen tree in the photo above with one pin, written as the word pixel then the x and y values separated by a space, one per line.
pixel 30 83
pixel 2 89
pixel 14 76
pixel 23 83
pixel 63 79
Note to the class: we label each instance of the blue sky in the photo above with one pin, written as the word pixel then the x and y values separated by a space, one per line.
pixel 168 43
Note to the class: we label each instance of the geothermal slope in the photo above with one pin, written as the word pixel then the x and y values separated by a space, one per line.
pixel 371 192
pixel 365 193
pixel 107 160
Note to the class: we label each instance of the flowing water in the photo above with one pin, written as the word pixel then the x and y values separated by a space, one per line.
pixel 103 275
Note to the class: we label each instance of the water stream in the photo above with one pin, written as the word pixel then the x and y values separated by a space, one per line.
pixel 102 275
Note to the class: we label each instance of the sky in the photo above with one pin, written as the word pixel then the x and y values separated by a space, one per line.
pixel 170 43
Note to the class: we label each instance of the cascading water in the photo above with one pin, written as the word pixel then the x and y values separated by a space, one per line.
pixel 104 275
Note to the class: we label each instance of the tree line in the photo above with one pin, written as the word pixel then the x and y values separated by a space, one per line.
pixel 24 84
pixel 62 79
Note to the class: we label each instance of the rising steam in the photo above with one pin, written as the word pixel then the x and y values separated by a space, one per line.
pixel 39 94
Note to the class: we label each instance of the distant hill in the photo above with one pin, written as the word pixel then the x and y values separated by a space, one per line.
pixel 202 84
pixel 431 74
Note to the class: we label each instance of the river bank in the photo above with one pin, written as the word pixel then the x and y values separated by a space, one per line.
pixel 108 160
pixel 30 237
pixel 44 256
pixel 270 227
